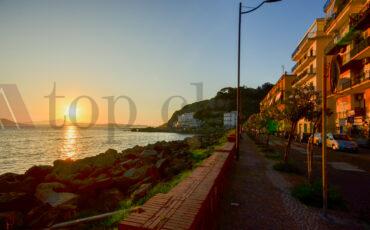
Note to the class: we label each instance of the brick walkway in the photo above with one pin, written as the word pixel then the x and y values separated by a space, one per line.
pixel 257 197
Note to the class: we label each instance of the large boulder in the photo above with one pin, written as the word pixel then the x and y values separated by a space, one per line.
pixel 149 153
pixel 66 170
pixel 138 174
pixel 10 182
pixel 161 165
pixel 130 163
pixel 116 170
pixel 123 183
pixel 109 199
pixel 15 201
pixel 29 184
pixel 141 191
pixel 39 172
pixel 97 185
pixel 45 192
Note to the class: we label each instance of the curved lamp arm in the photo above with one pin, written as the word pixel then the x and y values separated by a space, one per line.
pixel 255 8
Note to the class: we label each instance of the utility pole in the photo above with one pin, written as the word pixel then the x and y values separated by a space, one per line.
pixel 323 142
pixel 238 89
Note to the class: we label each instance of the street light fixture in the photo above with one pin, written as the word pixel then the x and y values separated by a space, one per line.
pixel 238 87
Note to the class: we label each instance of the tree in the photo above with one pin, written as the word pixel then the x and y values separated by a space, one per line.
pixel 315 118
pixel 302 100
pixel 268 122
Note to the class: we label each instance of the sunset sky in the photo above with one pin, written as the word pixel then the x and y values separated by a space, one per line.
pixel 147 50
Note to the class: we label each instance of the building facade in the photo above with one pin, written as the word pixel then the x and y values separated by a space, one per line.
pixel 187 120
pixel 278 94
pixel 309 68
pixel 230 119
pixel 348 66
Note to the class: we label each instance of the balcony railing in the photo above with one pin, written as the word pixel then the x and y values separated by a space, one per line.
pixel 361 77
pixel 311 72
pixel 346 84
pixel 341 4
pixel 357 48
pixel 327 4
pixel 304 61
pixel 355 80
pixel 360 46
pixel 339 41
pixel 304 74
pixel 361 20
pixel 307 36
pixel 294 67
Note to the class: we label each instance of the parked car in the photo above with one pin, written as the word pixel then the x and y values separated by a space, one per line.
pixel 341 142
pixel 317 139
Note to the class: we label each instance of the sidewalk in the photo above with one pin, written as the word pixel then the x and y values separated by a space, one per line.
pixel 348 172
pixel 257 197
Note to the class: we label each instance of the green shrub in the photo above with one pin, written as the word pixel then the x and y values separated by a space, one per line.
pixel 311 195
pixel 127 205
pixel 273 156
pixel 287 167
pixel 199 154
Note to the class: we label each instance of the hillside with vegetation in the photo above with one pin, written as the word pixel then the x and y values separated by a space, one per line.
pixel 211 111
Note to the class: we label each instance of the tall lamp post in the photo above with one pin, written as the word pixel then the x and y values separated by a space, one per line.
pixel 238 104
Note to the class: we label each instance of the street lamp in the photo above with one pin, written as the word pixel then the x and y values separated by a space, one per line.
pixel 238 88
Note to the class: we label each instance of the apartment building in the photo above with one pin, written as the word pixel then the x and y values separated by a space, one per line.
pixel 348 65
pixel 277 95
pixel 230 119
pixel 309 68
pixel 187 120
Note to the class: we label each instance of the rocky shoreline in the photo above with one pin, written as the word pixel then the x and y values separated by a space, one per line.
pixel 45 195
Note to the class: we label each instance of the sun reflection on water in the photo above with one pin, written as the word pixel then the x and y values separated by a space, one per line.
pixel 69 148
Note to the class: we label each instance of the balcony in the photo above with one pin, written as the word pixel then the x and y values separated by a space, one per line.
pixel 355 80
pixel 359 51
pixel 312 72
pixel 361 20
pixel 359 47
pixel 307 37
pixel 361 77
pixel 304 62
pixel 302 75
pixel 294 67
pixel 340 4
pixel 339 41
pixel 307 72
pixel 327 3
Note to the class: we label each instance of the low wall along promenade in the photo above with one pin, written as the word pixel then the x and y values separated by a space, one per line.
pixel 192 203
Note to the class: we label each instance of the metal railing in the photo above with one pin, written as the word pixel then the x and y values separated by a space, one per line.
pixel 307 36
pixel 355 80
pixel 311 71
pixel 359 18
pixel 326 4
pixel 294 67
pixel 360 46
pixel 341 4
